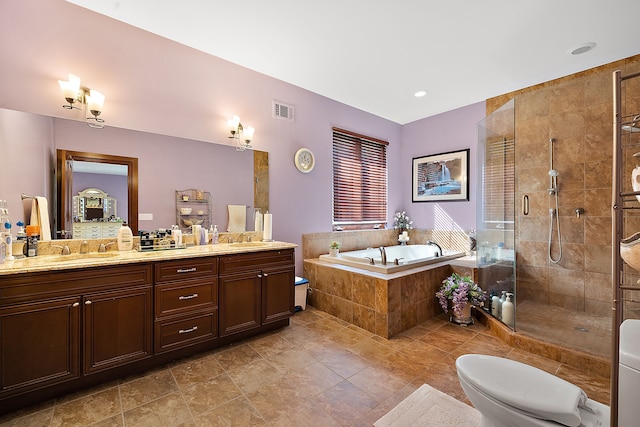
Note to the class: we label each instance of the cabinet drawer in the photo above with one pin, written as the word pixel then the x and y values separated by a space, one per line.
pixel 175 298
pixel 185 269
pixel 181 332
pixel 255 261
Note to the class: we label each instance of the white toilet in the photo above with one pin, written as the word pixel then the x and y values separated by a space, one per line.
pixel 511 394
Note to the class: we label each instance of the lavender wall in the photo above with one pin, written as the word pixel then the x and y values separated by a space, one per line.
pixel 451 131
pixel 166 103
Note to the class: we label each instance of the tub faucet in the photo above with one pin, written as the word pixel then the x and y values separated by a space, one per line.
pixel 383 255
pixel 429 242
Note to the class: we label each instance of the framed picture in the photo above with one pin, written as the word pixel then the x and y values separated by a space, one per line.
pixel 441 177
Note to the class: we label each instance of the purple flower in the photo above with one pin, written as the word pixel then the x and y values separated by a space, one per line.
pixel 460 290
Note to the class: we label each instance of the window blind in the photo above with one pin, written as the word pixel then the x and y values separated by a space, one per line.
pixel 498 186
pixel 359 180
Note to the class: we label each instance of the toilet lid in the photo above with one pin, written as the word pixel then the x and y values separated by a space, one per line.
pixel 523 387
pixel 630 343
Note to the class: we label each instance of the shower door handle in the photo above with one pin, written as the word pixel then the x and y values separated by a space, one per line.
pixel 525 205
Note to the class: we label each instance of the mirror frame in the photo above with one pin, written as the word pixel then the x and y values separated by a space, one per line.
pixel 63 193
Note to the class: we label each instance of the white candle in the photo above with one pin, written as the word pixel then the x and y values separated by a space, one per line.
pixel 267 235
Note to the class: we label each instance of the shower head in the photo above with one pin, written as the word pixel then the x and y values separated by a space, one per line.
pixel 553 173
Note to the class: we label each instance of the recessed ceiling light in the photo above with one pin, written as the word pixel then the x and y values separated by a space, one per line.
pixel 420 93
pixel 583 48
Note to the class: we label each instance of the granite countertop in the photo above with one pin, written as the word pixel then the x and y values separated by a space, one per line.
pixel 42 263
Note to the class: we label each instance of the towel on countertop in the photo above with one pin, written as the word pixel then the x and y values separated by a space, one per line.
pixel 40 216
pixel 237 218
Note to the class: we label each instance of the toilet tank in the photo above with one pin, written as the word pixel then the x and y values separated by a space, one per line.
pixel 629 374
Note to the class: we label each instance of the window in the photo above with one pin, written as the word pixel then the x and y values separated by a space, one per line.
pixel 359 180
pixel 498 187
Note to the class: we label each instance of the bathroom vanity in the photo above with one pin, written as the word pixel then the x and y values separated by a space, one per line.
pixel 66 324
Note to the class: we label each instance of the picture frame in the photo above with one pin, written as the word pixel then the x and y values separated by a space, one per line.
pixel 441 177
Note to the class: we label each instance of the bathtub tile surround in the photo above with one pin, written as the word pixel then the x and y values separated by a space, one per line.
pixel 384 304
pixel 320 369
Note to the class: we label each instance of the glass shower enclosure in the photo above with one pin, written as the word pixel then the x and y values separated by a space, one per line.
pixel 495 216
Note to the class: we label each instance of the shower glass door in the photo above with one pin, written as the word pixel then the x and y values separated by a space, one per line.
pixel 495 217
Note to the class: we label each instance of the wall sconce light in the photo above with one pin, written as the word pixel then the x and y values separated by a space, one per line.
pixel 90 99
pixel 243 135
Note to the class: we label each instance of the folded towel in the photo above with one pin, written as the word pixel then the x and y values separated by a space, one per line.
pixel 40 216
pixel 237 218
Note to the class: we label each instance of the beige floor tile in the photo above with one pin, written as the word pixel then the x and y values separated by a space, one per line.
pixel 167 411
pixel 87 410
pixel 237 413
pixel 204 396
pixel 195 370
pixel 145 389
pixel 346 403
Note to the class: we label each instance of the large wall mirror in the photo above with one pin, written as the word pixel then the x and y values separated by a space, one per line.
pixel 67 212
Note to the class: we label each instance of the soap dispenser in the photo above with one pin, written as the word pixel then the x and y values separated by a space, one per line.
pixel 507 310
pixel 214 238
pixel 125 238
pixel 495 306
pixel 503 298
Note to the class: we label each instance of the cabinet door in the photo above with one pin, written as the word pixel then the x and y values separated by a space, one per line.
pixel 117 328
pixel 278 294
pixel 39 344
pixel 240 303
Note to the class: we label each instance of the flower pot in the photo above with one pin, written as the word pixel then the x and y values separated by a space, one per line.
pixel 334 251
pixel 464 318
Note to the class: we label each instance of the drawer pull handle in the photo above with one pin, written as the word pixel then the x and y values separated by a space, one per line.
pixel 186 270
pixel 182 297
pixel 87 302
pixel 75 304
pixel 186 331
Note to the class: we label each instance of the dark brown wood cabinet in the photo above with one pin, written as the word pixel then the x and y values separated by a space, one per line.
pixel 67 329
pixel 255 289
pixel 39 344
pixel 48 318
pixel 186 303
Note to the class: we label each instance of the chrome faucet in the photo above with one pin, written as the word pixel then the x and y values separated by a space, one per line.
pixel 65 249
pixel 84 247
pixel 429 242
pixel 103 246
pixel 383 255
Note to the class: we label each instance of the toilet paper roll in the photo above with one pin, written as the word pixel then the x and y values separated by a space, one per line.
pixel 266 235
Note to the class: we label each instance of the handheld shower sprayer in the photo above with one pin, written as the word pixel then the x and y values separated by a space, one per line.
pixel 554 213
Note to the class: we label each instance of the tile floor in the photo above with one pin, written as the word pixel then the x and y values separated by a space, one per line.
pixel 569 328
pixel 320 371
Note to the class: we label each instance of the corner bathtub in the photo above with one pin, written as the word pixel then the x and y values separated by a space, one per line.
pixel 409 256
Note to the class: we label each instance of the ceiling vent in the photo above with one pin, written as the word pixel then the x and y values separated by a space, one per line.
pixel 282 111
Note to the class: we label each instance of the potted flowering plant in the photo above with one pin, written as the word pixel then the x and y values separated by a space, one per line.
pixel 463 293
pixel 401 221
pixel 334 248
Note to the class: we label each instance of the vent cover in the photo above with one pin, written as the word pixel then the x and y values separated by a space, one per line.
pixel 282 111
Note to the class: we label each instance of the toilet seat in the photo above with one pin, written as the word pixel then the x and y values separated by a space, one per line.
pixel 524 388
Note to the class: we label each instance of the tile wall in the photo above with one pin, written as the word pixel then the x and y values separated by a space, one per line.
pixel 577 112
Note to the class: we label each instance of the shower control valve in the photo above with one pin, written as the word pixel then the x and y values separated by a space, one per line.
pixel 579 211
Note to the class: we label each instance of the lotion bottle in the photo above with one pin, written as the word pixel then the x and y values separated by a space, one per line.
pixel 503 298
pixel 495 306
pixel 125 238
pixel 507 310
pixel 214 238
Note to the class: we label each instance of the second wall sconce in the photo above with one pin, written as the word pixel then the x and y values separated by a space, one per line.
pixel 243 135
pixel 91 100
